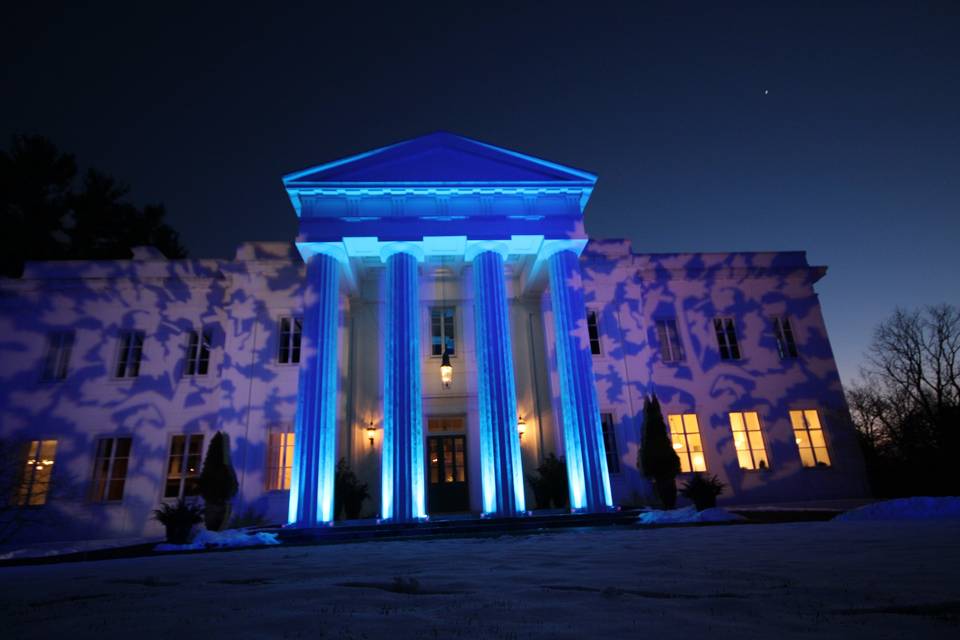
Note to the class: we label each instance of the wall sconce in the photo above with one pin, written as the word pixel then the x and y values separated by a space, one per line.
pixel 521 427
pixel 446 370
pixel 371 432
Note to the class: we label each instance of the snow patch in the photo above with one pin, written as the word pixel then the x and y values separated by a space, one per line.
pixel 906 509
pixel 232 538
pixel 688 515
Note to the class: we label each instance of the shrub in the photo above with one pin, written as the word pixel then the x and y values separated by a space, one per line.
pixel 657 458
pixel 178 519
pixel 550 485
pixel 702 490
pixel 218 482
pixel 349 493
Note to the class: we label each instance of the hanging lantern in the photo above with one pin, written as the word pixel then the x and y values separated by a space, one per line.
pixel 446 370
pixel 521 427
pixel 371 432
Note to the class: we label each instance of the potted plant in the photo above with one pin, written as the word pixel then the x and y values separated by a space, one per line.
pixel 657 458
pixel 218 483
pixel 702 491
pixel 178 519
pixel 348 492
pixel 550 485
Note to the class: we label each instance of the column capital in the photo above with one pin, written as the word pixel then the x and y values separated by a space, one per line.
pixel 476 247
pixel 388 249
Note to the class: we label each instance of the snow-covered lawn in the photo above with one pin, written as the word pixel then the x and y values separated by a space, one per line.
pixel 823 579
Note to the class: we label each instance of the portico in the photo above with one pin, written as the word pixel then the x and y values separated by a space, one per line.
pixel 501 228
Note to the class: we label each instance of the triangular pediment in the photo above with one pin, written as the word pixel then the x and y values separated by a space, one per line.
pixel 440 158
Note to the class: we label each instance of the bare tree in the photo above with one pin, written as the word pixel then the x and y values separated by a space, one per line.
pixel 907 406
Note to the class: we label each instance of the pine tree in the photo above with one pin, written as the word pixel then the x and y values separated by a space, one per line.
pixel 218 482
pixel 657 458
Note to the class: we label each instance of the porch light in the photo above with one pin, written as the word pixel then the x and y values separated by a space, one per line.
pixel 521 427
pixel 446 370
pixel 371 432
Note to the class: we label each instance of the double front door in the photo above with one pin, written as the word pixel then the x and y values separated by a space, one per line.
pixel 447 465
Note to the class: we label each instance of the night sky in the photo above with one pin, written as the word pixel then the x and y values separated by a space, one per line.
pixel 832 130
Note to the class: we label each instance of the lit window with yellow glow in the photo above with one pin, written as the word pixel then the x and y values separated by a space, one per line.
pixel 809 437
pixel 279 460
pixel 685 433
pixel 35 483
pixel 748 439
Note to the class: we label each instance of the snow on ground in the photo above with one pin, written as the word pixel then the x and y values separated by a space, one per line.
pixel 800 580
pixel 688 515
pixel 906 509
pixel 234 538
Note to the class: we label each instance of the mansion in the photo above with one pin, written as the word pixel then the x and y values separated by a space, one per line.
pixel 443 324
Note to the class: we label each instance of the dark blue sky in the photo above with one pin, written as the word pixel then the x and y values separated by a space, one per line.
pixel 833 130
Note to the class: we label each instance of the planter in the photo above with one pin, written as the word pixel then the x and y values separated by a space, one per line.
pixel 179 533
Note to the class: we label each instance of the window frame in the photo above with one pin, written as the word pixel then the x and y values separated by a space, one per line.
pixel 26 491
pixel 56 361
pixel 194 353
pixel 100 484
pixel 594 327
pixel 183 476
pixel 454 328
pixel 750 448
pixel 686 452
pixel 286 432
pixel 615 454
pixel 292 345
pixel 807 429
pixel 677 353
pixel 725 330
pixel 125 351
pixel 785 337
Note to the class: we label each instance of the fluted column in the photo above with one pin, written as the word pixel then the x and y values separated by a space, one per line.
pixel 582 432
pixel 402 481
pixel 500 464
pixel 315 440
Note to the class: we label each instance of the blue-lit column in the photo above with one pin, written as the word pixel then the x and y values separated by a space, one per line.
pixel 402 481
pixel 501 468
pixel 582 433
pixel 315 439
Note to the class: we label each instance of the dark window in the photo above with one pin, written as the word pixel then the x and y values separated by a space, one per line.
pixel 59 346
pixel 129 354
pixel 786 345
pixel 110 469
pixel 594 330
pixel 610 443
pixel 671 349
pixel 441 330
pixel 291 333
pixel 727 338
pixel 198 353
pixel 183 467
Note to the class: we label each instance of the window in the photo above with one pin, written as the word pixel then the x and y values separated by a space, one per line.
pixel 748 439
pixel 685 433
pixel 279 459
pixel 35 483
pixel 198 353
pixel 183 467
pixel 610 442
pixel 727 338
pixel 59 346
pixel 593 329
pixel 810 440
pixel 441 330
pixel 786 345
pixel 671 349
pixel 291 333
pixel 128 354
pixel 110 469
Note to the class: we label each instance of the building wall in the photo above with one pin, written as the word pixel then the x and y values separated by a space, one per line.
pixel 246 392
